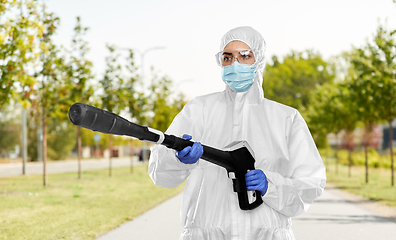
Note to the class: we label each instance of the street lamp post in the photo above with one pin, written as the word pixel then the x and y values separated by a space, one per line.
pixel 24 142
pixel 142 54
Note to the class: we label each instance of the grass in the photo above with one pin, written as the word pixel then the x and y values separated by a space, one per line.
pixel 69 208
pixel 378 188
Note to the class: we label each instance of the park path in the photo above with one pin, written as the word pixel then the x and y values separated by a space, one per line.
pixel 15 169
pixel 341 215
pixel 335 215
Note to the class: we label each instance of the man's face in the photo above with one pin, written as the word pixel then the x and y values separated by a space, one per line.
pixel 237 49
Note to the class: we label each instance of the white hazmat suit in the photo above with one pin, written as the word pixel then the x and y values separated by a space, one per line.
pixel 283 148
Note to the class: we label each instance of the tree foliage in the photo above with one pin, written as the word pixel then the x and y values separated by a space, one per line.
pixel 79 68
pixel 383 62
pixel 47 79
pixel 293 80
pixel 52 92
pixel 326 112
pixel 20 28
pixel 136 100
pixel 163 108
pixel 113 83
pixel 79 73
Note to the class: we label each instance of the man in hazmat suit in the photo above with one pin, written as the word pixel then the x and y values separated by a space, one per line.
pixel 289 170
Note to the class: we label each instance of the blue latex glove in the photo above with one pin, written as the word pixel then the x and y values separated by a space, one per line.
pixel 190 155
pixel 256 180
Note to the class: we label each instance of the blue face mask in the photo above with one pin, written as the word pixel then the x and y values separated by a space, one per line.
pixel 239 77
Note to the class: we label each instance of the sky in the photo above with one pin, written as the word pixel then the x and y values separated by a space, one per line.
pixel 189 32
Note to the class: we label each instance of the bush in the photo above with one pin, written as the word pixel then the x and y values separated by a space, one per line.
pixel 61 139
pixel 327 152
pixel 358 158
pixel 343 157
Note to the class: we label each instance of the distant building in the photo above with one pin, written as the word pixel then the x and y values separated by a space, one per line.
pixel 386 132
pixel 379 138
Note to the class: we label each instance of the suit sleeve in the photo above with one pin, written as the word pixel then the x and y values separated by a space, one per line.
pixel 165 169
pixel 292 192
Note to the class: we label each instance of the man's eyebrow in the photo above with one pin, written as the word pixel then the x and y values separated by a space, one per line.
pixel 227 53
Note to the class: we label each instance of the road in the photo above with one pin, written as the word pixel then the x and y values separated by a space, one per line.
pixel 15 169
pixel 335 215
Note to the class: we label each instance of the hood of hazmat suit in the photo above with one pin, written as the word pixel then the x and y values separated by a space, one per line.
pixel 282 146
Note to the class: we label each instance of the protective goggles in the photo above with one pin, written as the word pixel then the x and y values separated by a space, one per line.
pixel 243 56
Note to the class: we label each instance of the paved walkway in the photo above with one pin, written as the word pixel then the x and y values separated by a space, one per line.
pixel 341 215
pixel 15 169
pixel 161 222
pixel 335 215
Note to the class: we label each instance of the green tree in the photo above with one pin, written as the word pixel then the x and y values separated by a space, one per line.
pixel 365 91
pixel 52 92
pixel 325 112
pixel 20 31
pixel 136 100
pixel 383 69
pixel 79 73
pixel 163 108
pixel 293 80
pixel 350 117
pixel 134 93
pixel 331 111
pixel 113 98
pixel 18 50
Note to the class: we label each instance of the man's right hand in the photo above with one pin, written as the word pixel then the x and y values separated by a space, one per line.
pixel 190 155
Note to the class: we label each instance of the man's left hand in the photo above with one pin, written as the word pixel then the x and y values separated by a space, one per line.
pixel 256 180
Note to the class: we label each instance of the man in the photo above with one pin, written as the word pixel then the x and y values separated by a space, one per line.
pixel 289 171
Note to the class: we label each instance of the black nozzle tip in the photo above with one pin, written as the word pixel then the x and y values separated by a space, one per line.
pixel 76 113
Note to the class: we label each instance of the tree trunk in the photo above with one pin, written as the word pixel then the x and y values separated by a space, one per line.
pixel 111 152
pixel 337 153
pixel 350 162
pixel 24 141
pixel 391 152
pixel 79 150
pixel 131 155
pixel 44 148
pixel 366 143
pixel 350 149
pixel 366 154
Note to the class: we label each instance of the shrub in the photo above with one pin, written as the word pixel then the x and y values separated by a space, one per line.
pixel 358 158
